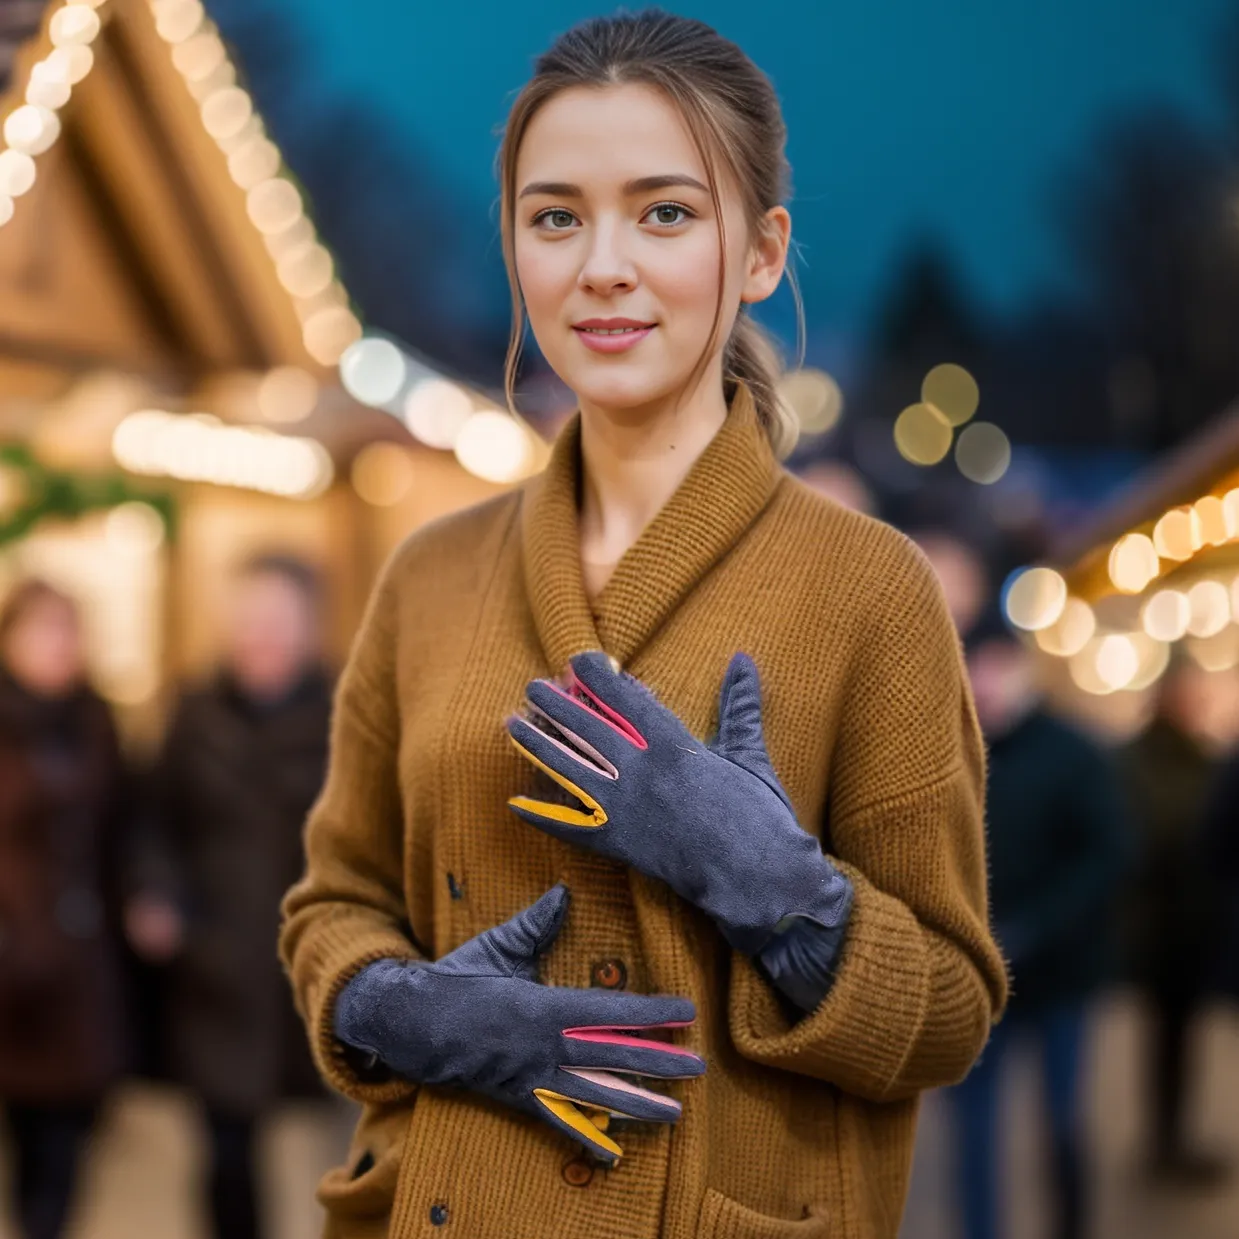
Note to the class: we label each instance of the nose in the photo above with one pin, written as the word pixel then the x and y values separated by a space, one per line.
pixel 608 268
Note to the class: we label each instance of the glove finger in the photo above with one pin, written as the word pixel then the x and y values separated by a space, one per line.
pixel 559 1111
pixel 608 1050
pixel 601 741
pixel 621 699
pixel 562 766
pixel 618 1096
pixel 600 1009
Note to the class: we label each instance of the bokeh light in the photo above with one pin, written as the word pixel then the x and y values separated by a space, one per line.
pixel 1035 598
pixel 31 129
pixel 274 205
pixel 1071 632
pixel 134 529
pixel 922 435
pixel 1209 603
pixel 74 25
pixel 328 332
pixel 1117 660
pixel 436 411
pixel 494 446
pixel 17 173
pixel 1177 535
pixel 815 398
pixel 1211 514
pixel 1219 652
pixel 373 370
pixel 1166 615
pixel 1133 563
pixel 287 394
pixel 983 453
pixel 952 391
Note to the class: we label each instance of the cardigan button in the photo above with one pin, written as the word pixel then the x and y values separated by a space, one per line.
pixel 609 974
pixel 438 1215
pixel 578 1172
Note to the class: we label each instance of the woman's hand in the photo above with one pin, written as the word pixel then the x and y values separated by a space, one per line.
pixel 712 821
pixel 478 1018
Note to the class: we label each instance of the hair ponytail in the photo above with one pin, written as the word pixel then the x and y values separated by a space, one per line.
pixel 752 358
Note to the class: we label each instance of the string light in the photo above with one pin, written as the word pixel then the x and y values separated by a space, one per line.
pixel 1166 615
pixel 436 411
pixel 1035 598
pixel 922 434
pixel 383 474
pixel 494 446
pixel 1177 535
pixel 200 448
pixel 953 392
pixel 32 128
pixel 983 453
pixel 1209 604
pixel 814 397
pixel 1133 563
pixel 1071 632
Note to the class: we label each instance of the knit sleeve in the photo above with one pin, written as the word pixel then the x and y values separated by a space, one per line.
pixel 920 979
pixel 348 909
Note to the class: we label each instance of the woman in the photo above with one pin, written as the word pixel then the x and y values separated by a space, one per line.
pixel 62 1033
pixel 642 172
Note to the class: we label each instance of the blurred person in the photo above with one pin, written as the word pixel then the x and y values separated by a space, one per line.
pixel 797 906
pixel 960 570
pixel 1170 916
pixel 63 816
pixel 1059 845
pixel 241 764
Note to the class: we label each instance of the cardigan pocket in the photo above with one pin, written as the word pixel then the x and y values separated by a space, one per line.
pixel 723 1218
pixel 358 1196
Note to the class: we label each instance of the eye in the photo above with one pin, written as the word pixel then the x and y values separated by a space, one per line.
pixel 554 219
pixel 668 214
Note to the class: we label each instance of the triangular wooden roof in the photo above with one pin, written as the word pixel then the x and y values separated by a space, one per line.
pixel 134 250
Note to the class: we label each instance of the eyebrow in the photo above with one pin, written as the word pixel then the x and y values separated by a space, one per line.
pixel 642 185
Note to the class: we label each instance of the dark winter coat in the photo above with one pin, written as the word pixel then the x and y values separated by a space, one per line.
pixel 63 810
pixel 1169 911
pixel 232 789
pixel 1060 846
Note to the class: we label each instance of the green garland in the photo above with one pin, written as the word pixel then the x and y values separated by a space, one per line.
pixel 44 493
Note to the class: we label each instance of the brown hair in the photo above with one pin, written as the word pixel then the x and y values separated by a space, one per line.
pixel 732 114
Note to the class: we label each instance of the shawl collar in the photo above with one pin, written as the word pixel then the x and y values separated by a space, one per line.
pixel 727 488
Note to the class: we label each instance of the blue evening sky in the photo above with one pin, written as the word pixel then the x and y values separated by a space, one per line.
pixel 948 117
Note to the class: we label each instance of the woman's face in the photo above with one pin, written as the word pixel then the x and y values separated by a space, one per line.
pixel 44 648
pixel 617 246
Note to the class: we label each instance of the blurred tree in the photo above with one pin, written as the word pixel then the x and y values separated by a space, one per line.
pixel 1153 216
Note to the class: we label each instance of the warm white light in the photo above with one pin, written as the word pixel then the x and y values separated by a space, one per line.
pixel 1212 516
pixel 227 112
pixel 1219 652
pixel 306 271
pixel 299 233
pixel 983 453
pixel 373 370
pixel 17 173
pixel 1177 535
pixel 68 64
pixel 201 448
pixel 1071 632
pixel 134 529
pixel 256 161
pixel 1209 602
pixel 494 446
pixel 436 412
pixel 45 91
pixel 287 394
pixel 1117 661
pixel 329 332
pixel 74 26
pixel 31 129
pixel 1230 512
pixel 200 56
pixel 1165 616
pixel 1036 598
pixel 222 77
pixel 1154 659
pixel 274 205
pixel 177 20
pixel 1133 563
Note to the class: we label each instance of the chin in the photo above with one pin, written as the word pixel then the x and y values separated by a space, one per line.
pixel 619 392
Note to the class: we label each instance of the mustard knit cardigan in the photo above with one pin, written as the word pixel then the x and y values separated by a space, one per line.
pixel 801 1129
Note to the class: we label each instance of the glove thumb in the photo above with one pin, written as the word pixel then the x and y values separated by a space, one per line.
pixel 740 738
pixel 512 949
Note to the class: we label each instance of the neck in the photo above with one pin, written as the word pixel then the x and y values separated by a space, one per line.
pixel 633 461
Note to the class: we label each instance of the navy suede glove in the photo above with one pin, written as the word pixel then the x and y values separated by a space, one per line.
pixel 479 1018
pixel 712 821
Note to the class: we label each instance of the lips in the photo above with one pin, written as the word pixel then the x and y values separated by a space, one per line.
pixel 611 335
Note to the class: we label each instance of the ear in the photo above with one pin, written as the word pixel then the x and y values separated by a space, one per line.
pixel 767 257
